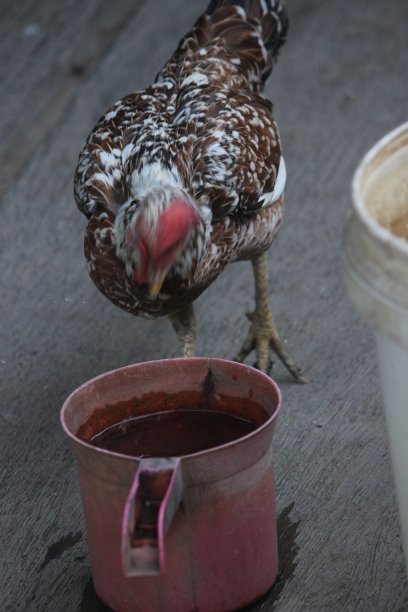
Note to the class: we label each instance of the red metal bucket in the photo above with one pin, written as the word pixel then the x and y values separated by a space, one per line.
pixel 214 546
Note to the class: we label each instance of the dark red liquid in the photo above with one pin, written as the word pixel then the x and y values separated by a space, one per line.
pixel 173 433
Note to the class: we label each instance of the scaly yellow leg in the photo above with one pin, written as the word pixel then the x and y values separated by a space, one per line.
pixel 184 324
pixel 263 334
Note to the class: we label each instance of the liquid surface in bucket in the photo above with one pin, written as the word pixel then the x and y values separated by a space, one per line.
pixel 173 433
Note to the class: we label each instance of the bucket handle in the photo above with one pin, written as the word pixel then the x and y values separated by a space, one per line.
pixel 150 507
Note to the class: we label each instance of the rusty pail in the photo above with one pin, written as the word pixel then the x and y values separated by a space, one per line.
pixel 180 533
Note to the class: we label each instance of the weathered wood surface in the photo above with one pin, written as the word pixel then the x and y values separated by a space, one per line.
pixel 339 86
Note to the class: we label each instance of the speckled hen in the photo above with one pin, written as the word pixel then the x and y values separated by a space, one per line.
pixel 187 176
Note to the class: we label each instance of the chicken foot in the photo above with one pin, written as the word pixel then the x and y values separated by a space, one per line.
pixel 263 334
pixel 184 324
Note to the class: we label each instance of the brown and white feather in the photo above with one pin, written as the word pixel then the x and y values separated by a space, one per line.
pixel 203 129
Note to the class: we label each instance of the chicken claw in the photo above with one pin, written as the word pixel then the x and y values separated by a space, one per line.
pixel 263 334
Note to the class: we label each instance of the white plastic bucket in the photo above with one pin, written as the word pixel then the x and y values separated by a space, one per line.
pixel 375 264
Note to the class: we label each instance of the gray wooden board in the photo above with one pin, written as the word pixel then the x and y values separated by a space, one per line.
pixel 339 86
pixel 47 49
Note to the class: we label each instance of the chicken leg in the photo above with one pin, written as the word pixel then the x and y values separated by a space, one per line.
pixel 184 324
pixel 263 333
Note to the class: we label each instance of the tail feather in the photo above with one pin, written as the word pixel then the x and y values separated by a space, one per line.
pixel 250 33
pixel 270 14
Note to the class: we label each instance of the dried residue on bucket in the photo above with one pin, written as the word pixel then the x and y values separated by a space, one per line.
pixel 386 197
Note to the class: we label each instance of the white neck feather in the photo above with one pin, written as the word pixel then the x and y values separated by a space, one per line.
pixel 153 176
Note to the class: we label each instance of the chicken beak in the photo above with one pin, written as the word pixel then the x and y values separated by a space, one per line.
pixel 156 285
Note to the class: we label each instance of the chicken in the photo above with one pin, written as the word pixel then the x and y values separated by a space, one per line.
pixel 187 176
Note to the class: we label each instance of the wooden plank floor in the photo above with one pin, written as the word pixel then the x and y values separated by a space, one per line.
pixel 339 86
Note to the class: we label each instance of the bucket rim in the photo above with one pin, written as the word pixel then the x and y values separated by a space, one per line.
pixel 270 422
pixel 377 230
